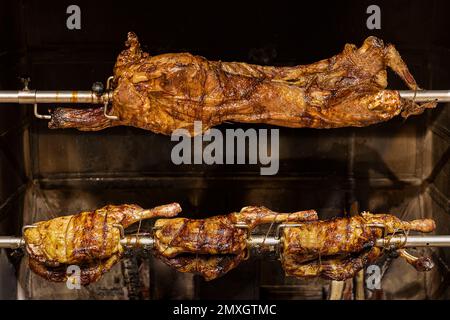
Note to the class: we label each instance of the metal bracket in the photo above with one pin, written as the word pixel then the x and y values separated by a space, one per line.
pixel 285 225
pixel 41 116
pixel 242 225
pixel 26 82
pixel 121 230
pixel 28 227
pixel 388 244
pixel 105 104
pixel 278 235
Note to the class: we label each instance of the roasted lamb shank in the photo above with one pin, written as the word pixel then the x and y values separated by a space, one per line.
pixel 211 247
pixel 170 91
pixel 89 240
pixel 337 249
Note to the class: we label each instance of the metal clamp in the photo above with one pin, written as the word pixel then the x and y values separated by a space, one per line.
pixel 106 102
pixel 26 82
pixel 24 228
pixel 285 225
pixel 244 226
pixel 278 235
pixel 26 90
pixel 31 226
pixel 121 230
pixel 41 116
pixel 388 244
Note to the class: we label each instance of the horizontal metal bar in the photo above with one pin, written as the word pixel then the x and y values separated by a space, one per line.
pixel 137 241
pixel 398 241
pixel 426 95
pixel 9 96
pixel 11 242
pixel 127 241
pixel 35 96
pixel 39 96
pixel 260 240
pixel 414 241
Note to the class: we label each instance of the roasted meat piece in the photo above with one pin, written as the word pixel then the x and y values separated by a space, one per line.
pixel 213 246
pixel 170 91
pixel 338 248
pixel 90 240
pixel 209 267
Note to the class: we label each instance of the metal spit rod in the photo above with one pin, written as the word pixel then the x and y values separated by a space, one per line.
pixel 414 241
pixel 397 241
pixel 426 95
pixel 401 241
pixel 38 96
pixel 127 241
pixel 11 242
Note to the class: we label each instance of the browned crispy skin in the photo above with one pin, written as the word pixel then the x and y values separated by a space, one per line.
pixel 210 267
pixel 89 273
pixel 345 235
pixel 337 268
pixel 213 246
pixel 215 235
pixel 171 91
pixel 88 239
pixel 90 119
pixel 218 234
pixel 338 248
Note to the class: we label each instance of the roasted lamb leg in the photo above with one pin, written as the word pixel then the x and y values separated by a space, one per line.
pixel 90 240
pixel 213 246
pixel 170 91
pixel 337 249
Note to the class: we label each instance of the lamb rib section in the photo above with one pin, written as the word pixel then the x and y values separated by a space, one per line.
pixel 167 92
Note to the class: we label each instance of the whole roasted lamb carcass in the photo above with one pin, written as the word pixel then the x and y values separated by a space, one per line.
pixel 170 91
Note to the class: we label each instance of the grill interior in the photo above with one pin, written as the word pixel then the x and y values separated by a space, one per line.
pixel 398 167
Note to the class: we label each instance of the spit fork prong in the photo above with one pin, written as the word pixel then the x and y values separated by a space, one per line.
pixel 26 89
pixel 41 116
pixel 28 227
pixel 106 102
pixel 283 226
